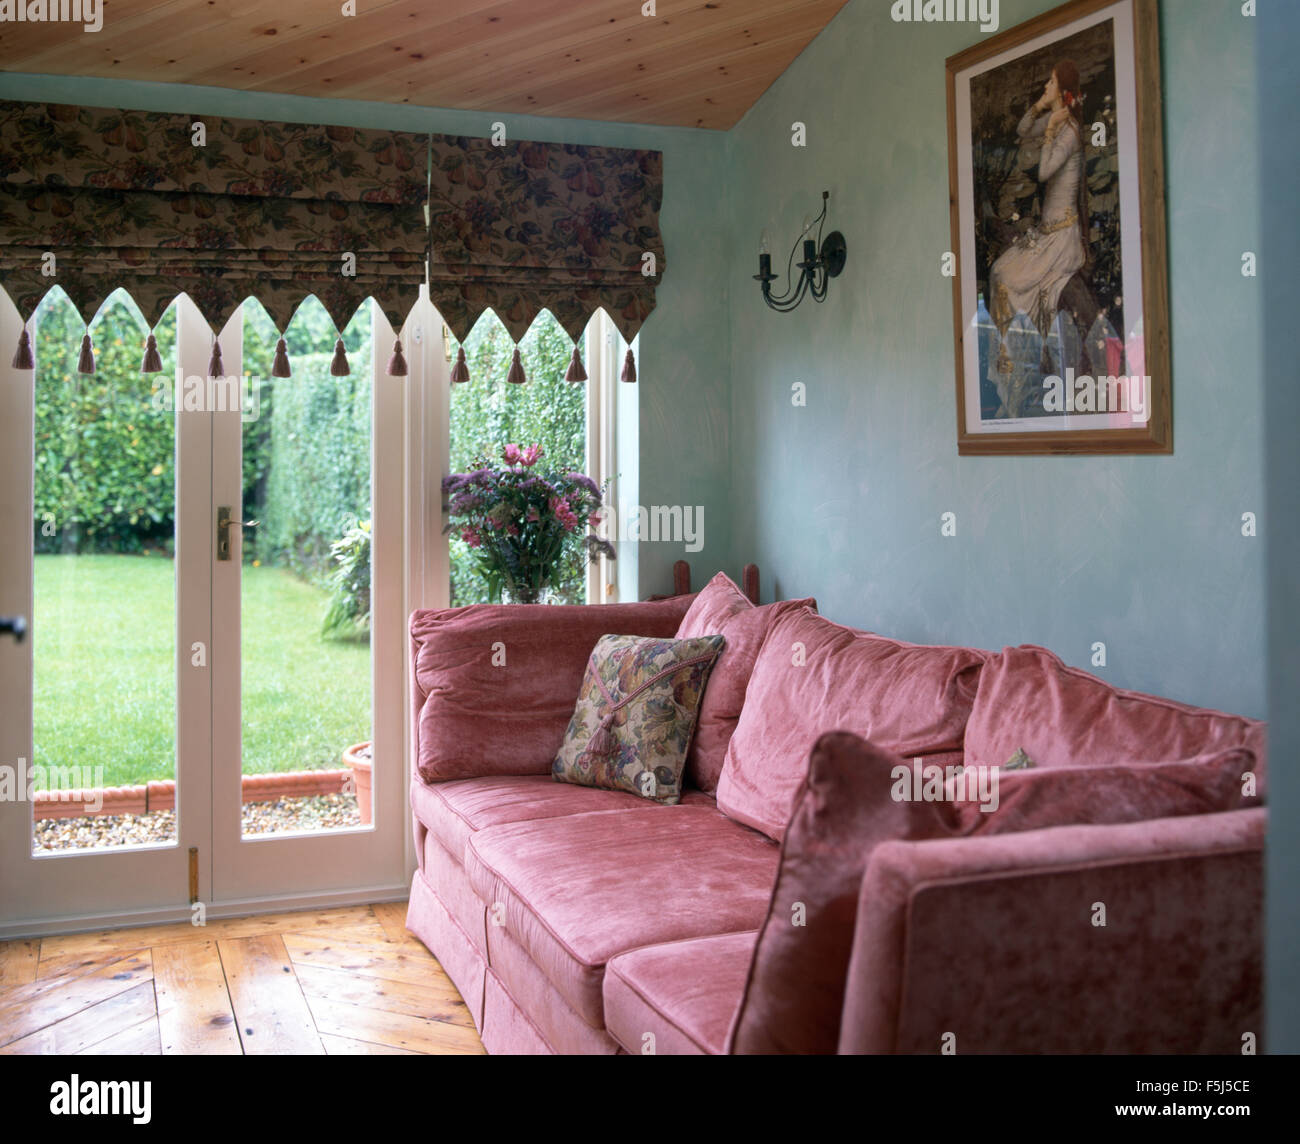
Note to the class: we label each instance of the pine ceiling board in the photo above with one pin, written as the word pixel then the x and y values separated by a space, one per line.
pixel 190 36
pixel 378 62
pixel 627 88
pixel 696 63
pixel 695 68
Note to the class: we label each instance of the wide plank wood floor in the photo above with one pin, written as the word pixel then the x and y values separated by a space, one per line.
pixel 337 982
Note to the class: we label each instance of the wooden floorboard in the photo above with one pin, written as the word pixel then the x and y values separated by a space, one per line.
pixel 194 1010
pixel 271 1013
pixel 18 962
pixel 346 981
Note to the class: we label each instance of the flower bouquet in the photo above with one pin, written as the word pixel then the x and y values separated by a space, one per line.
pixel 519 521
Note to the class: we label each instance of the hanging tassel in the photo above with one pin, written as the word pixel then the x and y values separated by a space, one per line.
pixel 629 367
pixel 86 362
pixel 152 362
pixel 397 363
pixel 215 368
pixel 339 366
pixel 280 363
pixel 460 371
pixel 602 745
pixel 516 376
pixel 575 372
pixel 23 355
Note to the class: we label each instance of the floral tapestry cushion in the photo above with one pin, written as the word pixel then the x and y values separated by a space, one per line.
pixel 636 715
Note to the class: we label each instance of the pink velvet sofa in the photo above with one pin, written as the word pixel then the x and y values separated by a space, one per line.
pixel 1113 906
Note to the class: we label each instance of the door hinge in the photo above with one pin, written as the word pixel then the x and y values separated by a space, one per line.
pixel 194 874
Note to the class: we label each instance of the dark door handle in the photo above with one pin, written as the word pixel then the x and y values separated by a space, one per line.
pixel 15 626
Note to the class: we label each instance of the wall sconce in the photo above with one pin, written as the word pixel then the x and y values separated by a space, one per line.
pixel 822 261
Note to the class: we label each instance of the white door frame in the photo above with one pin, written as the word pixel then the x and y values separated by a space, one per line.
pixel 136 885
pixel 139 886
pixel 364 863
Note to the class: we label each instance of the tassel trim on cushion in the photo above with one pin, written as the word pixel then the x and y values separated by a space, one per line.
pixel 215 367
pixel 629 367
pixel 280 364
pixel 23 354
pixel 397 363
pixel 603 745
pixel 516 376
pixel 460 371
pixel 575 372
pixel 152 360
pixel 339 366
pixel 86 360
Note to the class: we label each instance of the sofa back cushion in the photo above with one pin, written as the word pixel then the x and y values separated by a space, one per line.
pixel 1107 795
pixel 1064 717
pixel 813 676
pixel 723 609
pixel 495 684
pixel 794 993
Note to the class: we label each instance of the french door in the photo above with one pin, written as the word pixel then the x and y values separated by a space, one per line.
pixel 192 665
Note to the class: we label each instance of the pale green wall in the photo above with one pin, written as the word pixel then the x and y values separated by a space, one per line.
pixel 681 399
pixel 842 499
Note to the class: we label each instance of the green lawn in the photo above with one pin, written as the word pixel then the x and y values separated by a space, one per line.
pixel 104 643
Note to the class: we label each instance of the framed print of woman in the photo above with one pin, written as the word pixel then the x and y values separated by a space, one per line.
pixel 1030 274
pixel 1056 201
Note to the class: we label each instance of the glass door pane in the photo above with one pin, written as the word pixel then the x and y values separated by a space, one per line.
pixel 305 577
pixel 489 413
pixel 104 622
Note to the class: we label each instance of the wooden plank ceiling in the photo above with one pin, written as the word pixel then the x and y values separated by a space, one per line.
pixel 695 63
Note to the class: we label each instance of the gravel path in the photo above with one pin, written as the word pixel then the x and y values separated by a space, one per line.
pixel 318 812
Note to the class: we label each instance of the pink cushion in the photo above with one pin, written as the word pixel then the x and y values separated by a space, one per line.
pixel 576 891
pixel 907 698
pixel 795 989
pixel 477 717
pixel 1064 717
pixel 685 993
pixel 723 609
pixel 454 810
pixel 1125 792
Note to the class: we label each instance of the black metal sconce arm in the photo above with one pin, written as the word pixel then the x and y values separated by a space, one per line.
pixel 822 261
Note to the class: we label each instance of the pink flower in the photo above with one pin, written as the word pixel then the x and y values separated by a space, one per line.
pixel 532 455
pixel 594 519
pixel 471 537
pixel 511 454
pixel 533 515
pixel 513 529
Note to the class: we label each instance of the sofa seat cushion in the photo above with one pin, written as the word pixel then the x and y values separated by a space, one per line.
pixel 578 890
pixel 454 810
pixel 684 993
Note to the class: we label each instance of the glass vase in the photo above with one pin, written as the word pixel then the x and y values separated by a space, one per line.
pixel 527 594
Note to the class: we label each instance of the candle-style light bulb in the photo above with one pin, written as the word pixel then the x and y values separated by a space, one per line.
pixel 764 274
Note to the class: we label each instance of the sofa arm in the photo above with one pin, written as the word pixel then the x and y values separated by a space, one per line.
pixel 995 943
pixel 494 685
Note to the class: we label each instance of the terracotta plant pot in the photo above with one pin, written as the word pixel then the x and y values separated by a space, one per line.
pixel 358 758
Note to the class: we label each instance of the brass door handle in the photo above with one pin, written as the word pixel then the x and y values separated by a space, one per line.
pixel 224 524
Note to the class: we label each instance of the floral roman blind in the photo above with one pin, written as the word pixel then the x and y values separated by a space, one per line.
pixel 222 209
pixel 523 227
pixel 219 209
